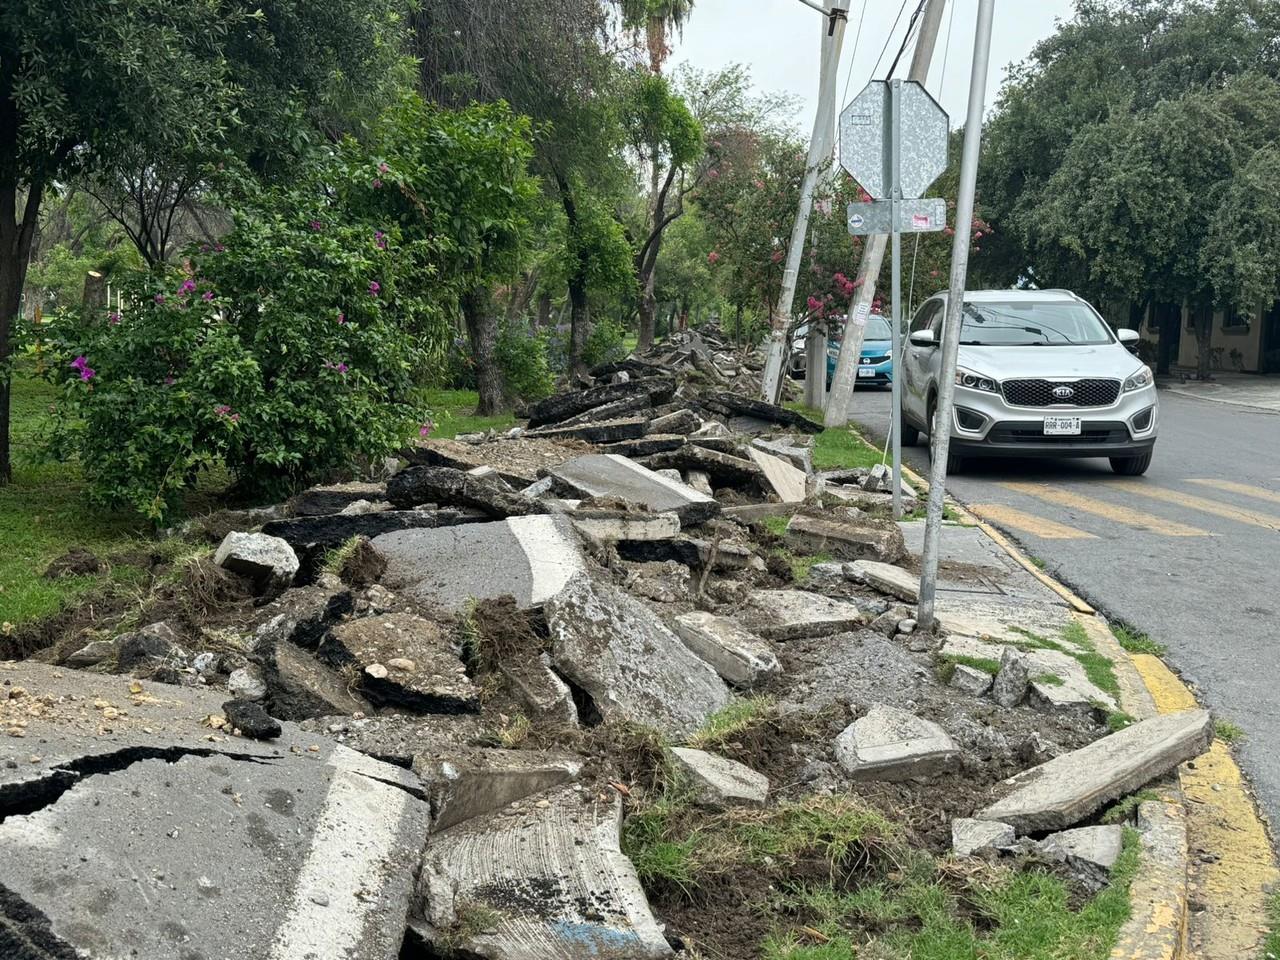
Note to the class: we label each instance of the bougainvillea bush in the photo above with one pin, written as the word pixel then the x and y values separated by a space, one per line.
pixel 285 351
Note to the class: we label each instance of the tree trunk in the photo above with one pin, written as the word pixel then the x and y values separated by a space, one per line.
pixel 15 246
pixel 648 312
pixel 579 323
pixel 1169 323
pixel 1204 340
pixel 482 331
pixel 544 310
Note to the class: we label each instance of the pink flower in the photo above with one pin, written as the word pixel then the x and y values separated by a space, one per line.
pixel 374 288
pixel 169 381
pixel 81 364
pixel 776 256
pixel 337 367
pixel 933 273
pixel 759 184
pixel 813 303
pixel 713 173
pixel 224 411
pixel 316 225
pixel 342 318
pixel 113 318
pixel 425 429
pixel 380 239
pixel 218 248
pixel 159 298
pixel 207 296
pixel 377 183
pixel 713 257
pixel 382 167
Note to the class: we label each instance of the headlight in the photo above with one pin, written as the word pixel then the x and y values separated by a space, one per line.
pixel 975 381
pixel 1139 380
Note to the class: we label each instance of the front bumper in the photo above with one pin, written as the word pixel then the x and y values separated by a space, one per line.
pixel 984 424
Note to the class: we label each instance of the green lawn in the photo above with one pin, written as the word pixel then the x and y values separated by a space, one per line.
pixel 43 513
pixel 838 448
pixel 453 412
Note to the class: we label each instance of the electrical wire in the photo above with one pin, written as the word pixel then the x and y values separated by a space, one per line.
pixel 911 29
pixel 844 97
pixel 889 38
pixel 946 52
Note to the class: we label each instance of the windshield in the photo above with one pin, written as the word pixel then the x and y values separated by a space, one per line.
pixel 878 329
pixel 1021 324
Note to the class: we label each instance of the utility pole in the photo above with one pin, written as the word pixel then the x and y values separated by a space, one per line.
pixel 941 429
pixel 820 147
pixel 855 328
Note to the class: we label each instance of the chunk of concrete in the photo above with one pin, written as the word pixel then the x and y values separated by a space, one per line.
pixel 334 498
pixel 733 404
pixel 92 654
pixel 300 686
pixel 430 678
pixel 168 836
pixel 1057 680
pixel 457 488
pixel 462 783
pixel 266 560
pixel 892 744
pixel 528 558
pixel 612 525
pixel 692 552
pixel 1013 680
pixel 783 478
pixel 518 461
pixel 889 579
pixel 719 782
pixel 302 616
pixel 738 655
pixel 864 540
pixel 798 453
pixel 679 423
pixel 723 469
pixel 549 871
pixel 609 475
pixel 970 680
pixel 605 431
pixel 791 614
pixel 969 836
pixel 645 446
pixel 1073 786
pixel 247 683
pixel 1097 847
pixel 398 738
pixel 540 689
pixel 630 665
pixel 332 531
pixel 562 406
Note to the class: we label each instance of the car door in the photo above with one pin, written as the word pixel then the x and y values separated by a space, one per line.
pixel 916 362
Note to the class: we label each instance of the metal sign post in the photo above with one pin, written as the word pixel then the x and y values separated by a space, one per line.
pixel 893 141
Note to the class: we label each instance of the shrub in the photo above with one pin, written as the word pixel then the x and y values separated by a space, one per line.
pixel 605 342
pixel 287 352
pixel 523 357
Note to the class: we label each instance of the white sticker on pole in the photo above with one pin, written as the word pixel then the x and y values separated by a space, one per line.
pixel 860 314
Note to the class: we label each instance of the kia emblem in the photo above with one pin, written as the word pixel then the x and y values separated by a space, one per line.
pixel 1063 393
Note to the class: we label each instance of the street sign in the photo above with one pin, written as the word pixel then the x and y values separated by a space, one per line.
pixel 866 139
pixel 914 216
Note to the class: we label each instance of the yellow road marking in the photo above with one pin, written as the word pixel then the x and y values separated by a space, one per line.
pixel 1029 523
pixel 1232 486
pixel 1198 503
pixel 1110 511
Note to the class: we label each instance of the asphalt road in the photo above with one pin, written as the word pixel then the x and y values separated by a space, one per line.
pixel 1189 553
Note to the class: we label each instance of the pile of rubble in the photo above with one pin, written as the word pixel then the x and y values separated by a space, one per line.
pixel 400 748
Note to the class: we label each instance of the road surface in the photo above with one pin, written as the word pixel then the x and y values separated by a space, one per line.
pixel 1189 553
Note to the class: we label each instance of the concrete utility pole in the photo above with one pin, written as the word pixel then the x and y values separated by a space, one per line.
pixel 940 431
pixel 855 328
pixel 820 148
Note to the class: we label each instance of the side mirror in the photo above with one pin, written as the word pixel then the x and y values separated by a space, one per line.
pixel 1128 337
pixel 923 338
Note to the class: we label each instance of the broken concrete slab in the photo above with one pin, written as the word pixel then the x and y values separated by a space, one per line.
pixel 92 654
pixel 892 744
pixel 617 410
pixel 306 534
pixel 550 872
pixel 300 686
pixel 888 578
pixel 540 690
pixel 1097 847
pixel 1013 680
pixel 1056 680
pixel 451 487
pixel 334 498
pixel 528 558
pixel 266 560
pixel 692 552
pixel 562 406
pixel 462 783
pixel 606 431
pixel 631 666
pixel 751 512
pixel 141 810
pixel 790 614
pixel 609 475
pixel 611 525
pixel 680 423
pixel 1073 786
pixel 518 460
pixel 970 680
pixel 723 469
pixel 848 540
pixel 420 668
pixel 398 738
pixel 797 452
pixel 301 616
pixel 645 446
pixel 739 656
pixel 969 836
pixel 786 480
pixel 719 782
pixel 730 404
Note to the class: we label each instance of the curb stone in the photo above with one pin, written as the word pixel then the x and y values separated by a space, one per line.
pixel 1207 809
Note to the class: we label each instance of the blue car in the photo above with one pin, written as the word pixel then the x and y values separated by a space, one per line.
pixel 875 364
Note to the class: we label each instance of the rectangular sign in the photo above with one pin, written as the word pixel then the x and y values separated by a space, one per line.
pixel 914 216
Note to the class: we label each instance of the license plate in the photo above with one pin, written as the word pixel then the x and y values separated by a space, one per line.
pixel 1062 426
pixel 866 372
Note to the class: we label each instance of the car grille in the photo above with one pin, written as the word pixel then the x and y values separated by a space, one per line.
pixel 870 361
pixel 1039 393
pixel 1093 434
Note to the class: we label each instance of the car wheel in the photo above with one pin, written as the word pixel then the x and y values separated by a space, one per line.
pixel 1131 466
pixel 955 464
pixel 910 435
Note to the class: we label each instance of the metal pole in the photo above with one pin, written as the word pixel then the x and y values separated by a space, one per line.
pixel 841 396
pixel 941 428
pixel 895 194
pixel 823 124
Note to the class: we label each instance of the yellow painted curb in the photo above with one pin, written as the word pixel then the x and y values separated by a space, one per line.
pixel 1156 929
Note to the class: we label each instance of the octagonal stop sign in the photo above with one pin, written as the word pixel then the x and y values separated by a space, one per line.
pixel 866 139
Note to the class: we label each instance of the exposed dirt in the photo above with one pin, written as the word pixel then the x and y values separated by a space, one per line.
pixel 75 562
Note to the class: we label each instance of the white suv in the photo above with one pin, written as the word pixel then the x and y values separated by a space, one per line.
pixel 1040 375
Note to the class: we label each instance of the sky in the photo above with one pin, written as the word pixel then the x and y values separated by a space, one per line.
pixel 779 41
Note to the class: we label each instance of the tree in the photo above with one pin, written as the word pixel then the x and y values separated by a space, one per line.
pixel 164 75
pixel 656 18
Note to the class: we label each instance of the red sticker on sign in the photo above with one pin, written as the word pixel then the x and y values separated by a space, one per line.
pixel 920 220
